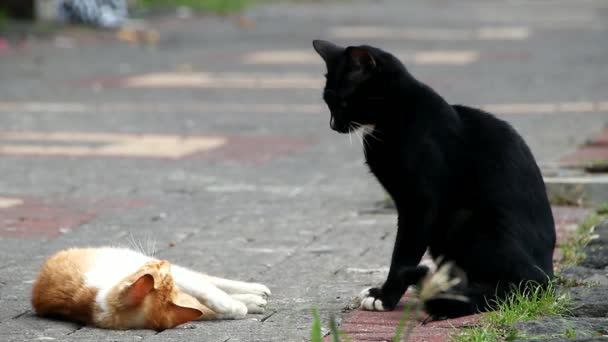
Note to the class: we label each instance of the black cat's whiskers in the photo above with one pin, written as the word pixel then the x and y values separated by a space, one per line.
pixel 365 131
pixel 370 132
pixel 357 129
pixel 358 134
pixel 355 126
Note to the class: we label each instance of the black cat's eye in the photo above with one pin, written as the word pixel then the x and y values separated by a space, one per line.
pixel 332 95
pixel 333 98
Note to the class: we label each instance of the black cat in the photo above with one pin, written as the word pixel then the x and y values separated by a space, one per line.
pixel 465 184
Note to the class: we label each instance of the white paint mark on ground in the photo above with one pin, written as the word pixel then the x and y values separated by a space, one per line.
pixel 577 107
pixel 578 180
pixel 446 57
pixel 232 80
pixel 9 202
pixel 105 144
pixel 370 222
pixel 232 188
pixel 502 33
pixel 357 270
pixel 282 250
pixel 193 107
pixel 289 191
pixel 546 108
pixel 514 108
pixel 286 57
pixel 396 33
pixel 270 108
pixel 35 107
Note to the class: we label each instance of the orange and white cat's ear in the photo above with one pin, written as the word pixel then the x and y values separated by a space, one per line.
pixel 185 308
pixel 182 314
pixel 135 293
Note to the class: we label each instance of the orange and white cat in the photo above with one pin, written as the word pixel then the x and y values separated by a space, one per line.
pixel 118 288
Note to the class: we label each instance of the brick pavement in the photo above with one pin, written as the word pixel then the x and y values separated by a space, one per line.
pixel 593 151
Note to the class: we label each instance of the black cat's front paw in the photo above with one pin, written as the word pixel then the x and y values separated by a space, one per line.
pixel 372 299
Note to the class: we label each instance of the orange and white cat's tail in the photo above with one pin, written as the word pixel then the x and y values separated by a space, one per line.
pixel 60 290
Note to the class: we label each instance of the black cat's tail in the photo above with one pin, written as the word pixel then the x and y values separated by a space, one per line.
pixel 474 298
pixel 447 293
pixel 477 297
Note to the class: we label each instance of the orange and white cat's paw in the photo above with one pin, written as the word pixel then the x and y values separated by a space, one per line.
pixel 255 304
pixel 229 309
pixel 255 289
pixel 238 310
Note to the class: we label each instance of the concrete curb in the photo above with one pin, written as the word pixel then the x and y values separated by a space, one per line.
pixel 584 190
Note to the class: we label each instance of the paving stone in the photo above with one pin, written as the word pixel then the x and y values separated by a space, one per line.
pixel 597 256
pixel 581 274
pixel 589 301
pixel 28 327
pixel 597 250
pixel 550 328
pixel 601 234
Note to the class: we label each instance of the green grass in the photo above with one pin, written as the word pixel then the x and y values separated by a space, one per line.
pixel 483 333
pixel 602 209
pixel 3 17
pixel 570 333
pixel 596 166
pixel 572 248
pixel 529 304
pixel 525 305
pixel 316 335
pixel 316 332
pixel 216 6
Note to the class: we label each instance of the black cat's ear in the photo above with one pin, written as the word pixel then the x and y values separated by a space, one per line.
pixel 327 50
pixel 361 57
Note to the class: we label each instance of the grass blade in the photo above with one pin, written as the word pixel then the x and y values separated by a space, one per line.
pixel 315 333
